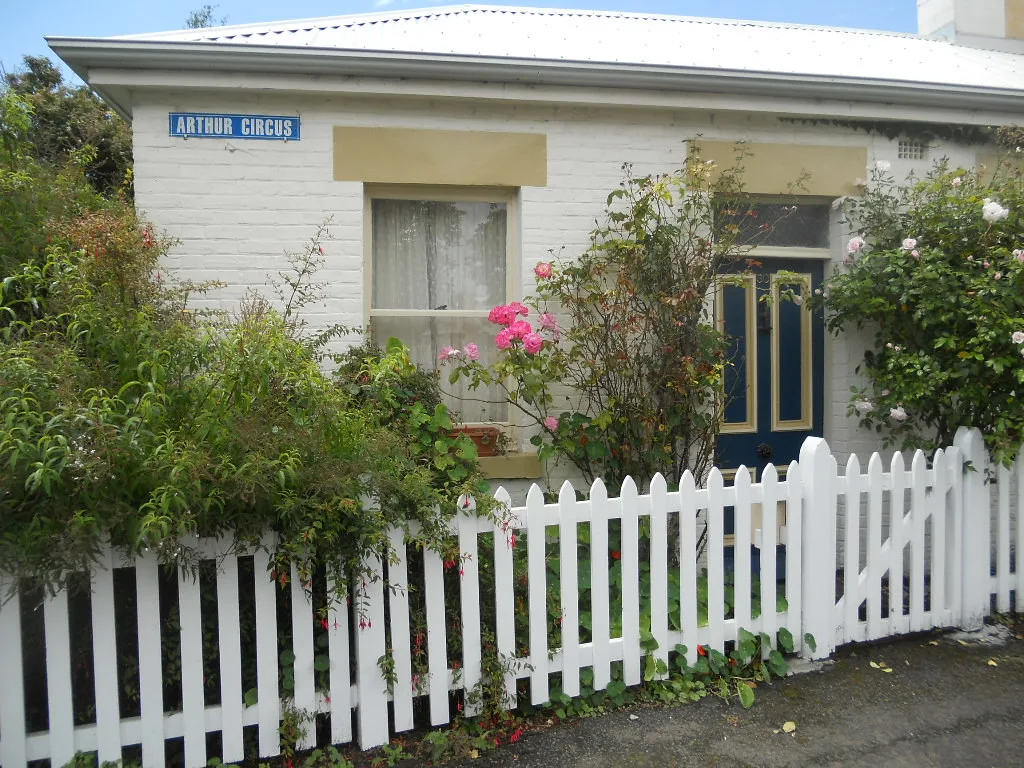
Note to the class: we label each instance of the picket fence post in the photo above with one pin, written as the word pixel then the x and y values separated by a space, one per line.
pixel 975 568
pixel 818 551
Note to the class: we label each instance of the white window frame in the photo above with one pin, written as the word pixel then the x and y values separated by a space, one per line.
pixel 509 196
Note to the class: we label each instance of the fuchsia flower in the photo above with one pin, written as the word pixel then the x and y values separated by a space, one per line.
pixel 520 329
pixel 472 352
pixel 532 342
pixel 504 338
pixel 543 270
pixel 551 423
pixel 502 315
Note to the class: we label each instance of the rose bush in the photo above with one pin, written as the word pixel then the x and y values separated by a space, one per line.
pixel 936 271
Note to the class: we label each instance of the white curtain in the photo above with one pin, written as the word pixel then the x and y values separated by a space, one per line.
pixel 437 257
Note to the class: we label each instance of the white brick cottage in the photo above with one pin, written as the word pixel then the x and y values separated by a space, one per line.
pixel 519 121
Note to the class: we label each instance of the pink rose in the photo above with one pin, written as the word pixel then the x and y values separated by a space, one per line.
pixel 520 328
pixel 1018 254
pixel 551 423
pixel 504 338
pixel 855 245
pixel 502 315
pixel 998 276
pixel 547 320
pixel 472 351
pixel 956 182
pixel 916 254
pixel 532 343
pixel 543 270
pixel 448 353
pixel 520 308
pixel 909 244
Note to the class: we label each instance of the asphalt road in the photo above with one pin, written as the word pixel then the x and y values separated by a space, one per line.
pixel 942 705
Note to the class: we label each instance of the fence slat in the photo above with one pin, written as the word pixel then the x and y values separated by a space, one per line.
pixel 716 562
pixel 469 600
pixel 897 542
pixel 630 559
pixel 794 553
pixel 599 609
pixel 569 589
pixel 504 595
pixel 12 680
pixel 1019 551
pixel 151 694
pixel 769 540
pixel 104 654
pixel 741 553
pixel 1003 540
pixel 940 490
pixel 398 614
pixel 851 554
pixel 338 612
pixel 688 564
pixel 538 607
pixel 269 704
pixel 659 569
pixel 918 517
pixel 437 637
pixel 230 648
pixel 58 678
pixel 873 586
pixel 304 692
pixel 372 714
pixel 193 701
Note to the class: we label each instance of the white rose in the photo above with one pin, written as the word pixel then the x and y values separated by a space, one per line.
pixel 898 414
pixel 992 211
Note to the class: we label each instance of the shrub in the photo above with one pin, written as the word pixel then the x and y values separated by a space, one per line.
pixel 936 271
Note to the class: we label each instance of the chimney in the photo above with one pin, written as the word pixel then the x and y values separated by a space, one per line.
pixel 992 24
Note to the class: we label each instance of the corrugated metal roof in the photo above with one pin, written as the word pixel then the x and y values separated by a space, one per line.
pixel 634 39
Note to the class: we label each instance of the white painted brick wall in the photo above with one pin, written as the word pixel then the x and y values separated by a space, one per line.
pixel 236 207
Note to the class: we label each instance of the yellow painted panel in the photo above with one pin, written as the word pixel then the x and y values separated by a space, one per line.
pixel 770 168
pixel 423 156
pixel 511 466
pixel 1015 19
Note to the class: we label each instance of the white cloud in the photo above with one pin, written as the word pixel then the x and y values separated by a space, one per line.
pixel 382 3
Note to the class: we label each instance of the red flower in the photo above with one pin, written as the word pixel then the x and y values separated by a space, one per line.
pixel 616 554
pixel 702 650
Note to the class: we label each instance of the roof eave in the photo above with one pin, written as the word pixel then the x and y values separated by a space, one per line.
pixel 84 54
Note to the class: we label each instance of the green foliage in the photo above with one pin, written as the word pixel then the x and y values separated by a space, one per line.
pixel 203 17
pixel 130 418
pixel 637 353
pixel 942 288
pixel 68 122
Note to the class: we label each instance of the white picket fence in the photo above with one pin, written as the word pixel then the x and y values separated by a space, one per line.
pixel 868 554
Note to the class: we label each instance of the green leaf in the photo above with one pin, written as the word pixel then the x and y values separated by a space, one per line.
pixel 252 697
pixel 810 642
pixel 786 640
pixel 777 664
pixel 746 694
pixel 321 663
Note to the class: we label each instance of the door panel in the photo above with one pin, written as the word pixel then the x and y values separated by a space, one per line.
pixel 775 383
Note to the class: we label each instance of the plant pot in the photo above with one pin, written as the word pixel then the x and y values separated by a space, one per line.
pixel 486 438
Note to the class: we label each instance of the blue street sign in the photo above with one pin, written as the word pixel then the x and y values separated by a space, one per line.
pixel 204 125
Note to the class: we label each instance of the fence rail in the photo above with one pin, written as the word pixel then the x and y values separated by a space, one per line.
pixel 563 593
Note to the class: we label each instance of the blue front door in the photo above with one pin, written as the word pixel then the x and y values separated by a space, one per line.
pixel 775 382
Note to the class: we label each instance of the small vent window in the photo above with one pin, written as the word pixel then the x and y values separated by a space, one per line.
pixel 911 149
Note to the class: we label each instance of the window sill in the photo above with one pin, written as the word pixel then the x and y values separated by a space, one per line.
pixel 512 466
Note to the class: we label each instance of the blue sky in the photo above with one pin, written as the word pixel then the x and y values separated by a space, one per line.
pixel 26 23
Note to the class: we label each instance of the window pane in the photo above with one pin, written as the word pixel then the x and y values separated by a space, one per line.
pixel 780 224
pixel 427 336
pixel 438 255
